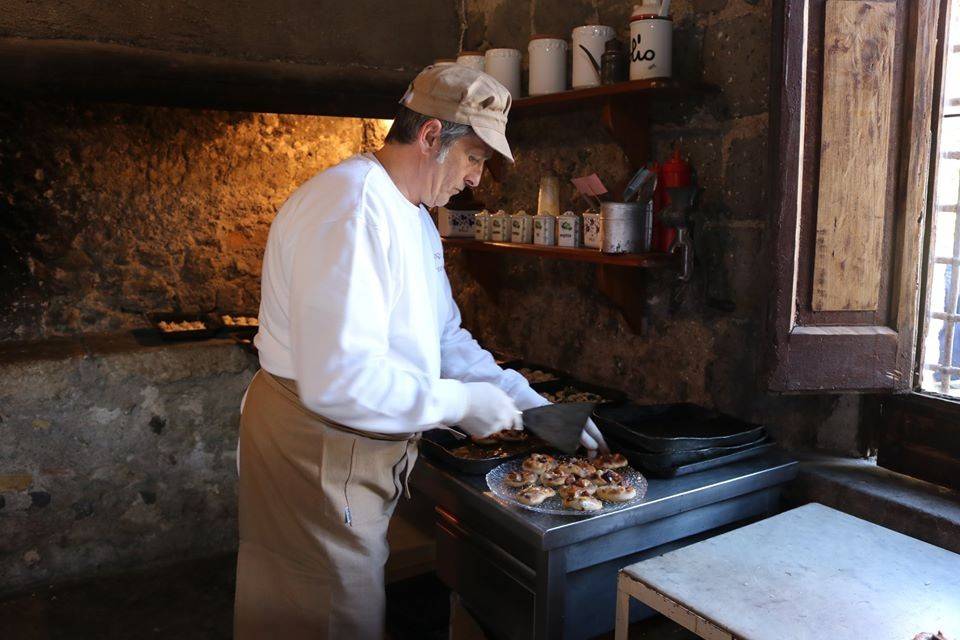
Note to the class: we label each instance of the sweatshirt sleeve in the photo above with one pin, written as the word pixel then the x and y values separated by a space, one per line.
pixel 339 302
pixel 462 358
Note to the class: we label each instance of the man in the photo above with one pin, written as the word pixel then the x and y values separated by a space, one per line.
pixel 361 350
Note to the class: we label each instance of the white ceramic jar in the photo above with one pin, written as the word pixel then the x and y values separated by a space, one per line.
pixel 569 230
pixel 472 59
pixel 594 38
pixel 651 46
pixel 481 226
pixel 521 226
pixel 548 65
pixel 504 65
pixel 591 229
pixel 500 230
pixel 545 229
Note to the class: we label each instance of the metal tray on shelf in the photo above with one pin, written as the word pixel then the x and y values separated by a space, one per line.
pixel 673 427
pixel 211 325
pixel 243 330
pixel 553 386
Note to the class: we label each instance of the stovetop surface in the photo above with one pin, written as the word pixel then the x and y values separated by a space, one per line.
pixel 458 492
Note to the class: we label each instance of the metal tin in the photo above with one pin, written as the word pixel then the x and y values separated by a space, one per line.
pixel 569 230
pixel 622 227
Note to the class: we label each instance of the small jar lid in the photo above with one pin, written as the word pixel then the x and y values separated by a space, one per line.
pixel 546 36
pixel 469 53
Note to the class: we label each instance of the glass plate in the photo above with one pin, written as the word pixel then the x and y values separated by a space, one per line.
pixel 496 478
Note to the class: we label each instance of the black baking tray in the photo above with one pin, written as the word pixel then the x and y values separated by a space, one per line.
pixel 678 463
pixel 209 320
pixel 438 445
pixel 609 395
pixel 234 329
pixel 673 427
pixel 516 365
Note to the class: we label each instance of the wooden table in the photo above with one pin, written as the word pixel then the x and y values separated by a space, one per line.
pixel 812 572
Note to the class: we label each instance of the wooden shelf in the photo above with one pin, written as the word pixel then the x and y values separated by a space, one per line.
pixel 602 95
pixel 595 256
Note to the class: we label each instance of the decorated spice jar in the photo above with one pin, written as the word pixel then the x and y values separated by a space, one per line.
pixel 591 229
pixel 569 230
pixel 500 229
pixel 481 226
pixel 521 227
pixel 545 229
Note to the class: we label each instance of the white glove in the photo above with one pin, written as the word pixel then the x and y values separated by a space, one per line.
pixel 592 440
pixel 489 410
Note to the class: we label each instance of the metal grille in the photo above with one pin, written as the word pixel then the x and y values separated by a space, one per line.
pixel 941 342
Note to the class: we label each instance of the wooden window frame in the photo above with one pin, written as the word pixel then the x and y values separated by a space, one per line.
pixel 918 433
pixel 846 350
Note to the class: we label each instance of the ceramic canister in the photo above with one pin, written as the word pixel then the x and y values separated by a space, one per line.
pixel 545 229
pixel 454 223
pixel 472 59
pixel 481 226
pixel 504 65
pixel 521 227
pixel 651 46
pixel 548 65
pixel 548 199
pixel 569 230
pixel 500 226
pixel 591 229
pixel 593 37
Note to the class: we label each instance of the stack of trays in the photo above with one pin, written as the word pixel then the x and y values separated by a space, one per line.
pixel 676 439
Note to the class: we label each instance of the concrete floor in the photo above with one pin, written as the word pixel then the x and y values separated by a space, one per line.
pixel 194 601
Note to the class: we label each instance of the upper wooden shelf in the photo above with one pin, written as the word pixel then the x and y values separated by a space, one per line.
pixel 599 96
pixel 643 260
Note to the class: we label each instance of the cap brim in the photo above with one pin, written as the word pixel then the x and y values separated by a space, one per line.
pixel 496 140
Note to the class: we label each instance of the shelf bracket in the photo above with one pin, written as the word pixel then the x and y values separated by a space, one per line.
pixel 627 121
pixel 624 287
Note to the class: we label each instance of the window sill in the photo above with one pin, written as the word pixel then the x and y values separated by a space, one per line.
pixel 913 507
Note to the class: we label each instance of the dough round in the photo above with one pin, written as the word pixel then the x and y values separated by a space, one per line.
pixel 582 503
pixel 535 495
pixel 583 483
pixel 520 478
pixel 610 461
pixel 554 478
pixel 617 492
pixel 539 462
pixel 606 476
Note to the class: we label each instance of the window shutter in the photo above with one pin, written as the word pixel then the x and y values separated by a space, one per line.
pixel 852 97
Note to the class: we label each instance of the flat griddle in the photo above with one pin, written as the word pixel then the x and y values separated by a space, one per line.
pixel 438 444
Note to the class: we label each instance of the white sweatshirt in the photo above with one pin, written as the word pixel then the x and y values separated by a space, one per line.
pixel 356 307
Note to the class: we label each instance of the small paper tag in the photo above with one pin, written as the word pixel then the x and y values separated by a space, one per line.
pixel 590 185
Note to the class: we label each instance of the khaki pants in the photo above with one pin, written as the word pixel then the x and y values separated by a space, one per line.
pixel 315 502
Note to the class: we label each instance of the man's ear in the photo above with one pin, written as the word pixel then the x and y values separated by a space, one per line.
pixel 429 136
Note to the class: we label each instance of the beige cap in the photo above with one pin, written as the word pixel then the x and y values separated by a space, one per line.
pixel 457 93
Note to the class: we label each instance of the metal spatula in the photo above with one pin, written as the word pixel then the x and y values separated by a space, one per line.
pixel 559 425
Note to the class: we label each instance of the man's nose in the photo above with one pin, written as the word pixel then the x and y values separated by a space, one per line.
pixel 473 178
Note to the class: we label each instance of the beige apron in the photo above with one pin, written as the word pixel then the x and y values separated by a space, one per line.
pixel 315 502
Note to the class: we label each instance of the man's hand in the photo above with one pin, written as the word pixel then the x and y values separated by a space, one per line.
pixel 592 439
pixel 489 410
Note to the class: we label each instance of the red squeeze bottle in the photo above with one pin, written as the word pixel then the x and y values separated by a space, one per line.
pixel 675 172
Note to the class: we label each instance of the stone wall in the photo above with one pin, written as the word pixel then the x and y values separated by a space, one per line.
pixel 115 454
pixel 704 340
pixel 110 211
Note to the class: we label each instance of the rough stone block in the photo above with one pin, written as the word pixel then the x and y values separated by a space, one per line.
pixel 736 58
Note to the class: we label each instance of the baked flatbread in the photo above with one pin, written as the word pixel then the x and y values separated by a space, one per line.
pixel 610 461
pixel 520 478
pixel 605 476
pixel 582 503
pixel 617 492
pixel 535 495
pixel 539 462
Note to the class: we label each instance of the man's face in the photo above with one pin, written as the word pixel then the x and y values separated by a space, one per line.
pixel 461 168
